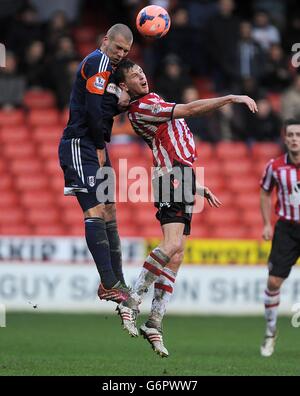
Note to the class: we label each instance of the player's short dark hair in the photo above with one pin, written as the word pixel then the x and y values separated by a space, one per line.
pixel 123 67
pixel 290 121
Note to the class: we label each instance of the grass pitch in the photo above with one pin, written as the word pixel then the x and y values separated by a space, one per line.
pixel 88 344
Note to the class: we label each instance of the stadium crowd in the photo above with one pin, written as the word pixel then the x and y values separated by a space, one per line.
pixel 214 47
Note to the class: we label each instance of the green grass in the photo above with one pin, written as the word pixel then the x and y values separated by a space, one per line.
pixel 71 344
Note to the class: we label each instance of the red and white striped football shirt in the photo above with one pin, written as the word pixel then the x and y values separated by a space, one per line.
pixel 169 139
pixel 285 175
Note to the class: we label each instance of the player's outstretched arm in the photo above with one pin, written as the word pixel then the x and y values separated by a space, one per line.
pixel 199 107
pixel 210 197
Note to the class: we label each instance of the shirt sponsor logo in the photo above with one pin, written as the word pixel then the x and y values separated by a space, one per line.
pixel 99 82
pixel 156 108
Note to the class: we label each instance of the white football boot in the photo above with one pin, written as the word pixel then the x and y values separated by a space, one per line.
pixel 268 345
pixel 128 317
pixel 155 338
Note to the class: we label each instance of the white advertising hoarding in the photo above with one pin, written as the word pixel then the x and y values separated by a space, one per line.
pixel 198 290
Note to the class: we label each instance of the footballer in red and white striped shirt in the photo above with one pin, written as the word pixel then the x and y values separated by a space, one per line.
pixel 162 126
pixel 284 174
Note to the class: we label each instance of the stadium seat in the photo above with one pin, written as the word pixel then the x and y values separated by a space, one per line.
pixel 41 217
pixel 83 34
pixel 15 229
pixel 72 216
pixel 129 230
pixel 76 230
pixel 255 232
pixel 251 217
pixel 14 134
pixel 25 150
pixel 84 49
pixel 275 100
pixel 231 150
pixel 126 150
pixel 150 230
pixel 63 201
pixel 43 117
pixel 233 168
pixel 31 182
pixel 229 232
pixel 11 117
pixel 5 182
pixel 265 151
pixel 226 218
pixel 57 184
pixel 8 199
pixel 244 184
pixel 39 99
pixel 37 199
pixel 52 167
pixel 25 166
pixel 48 150
pixel 205 151
pixel 50 229
pixel 122 126
pixel 48 134
pixel 199 231
pixel 247 201
pixel 2 166
pixel 14 216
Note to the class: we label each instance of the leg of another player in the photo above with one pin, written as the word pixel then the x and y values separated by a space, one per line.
pixel 114 241
pixel 271 301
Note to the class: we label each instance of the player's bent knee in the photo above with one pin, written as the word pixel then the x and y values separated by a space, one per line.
pixel 96 211
pixel 274 282
pixel 172 248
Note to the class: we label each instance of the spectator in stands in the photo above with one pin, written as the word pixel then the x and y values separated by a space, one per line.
pixel 196 124
pixel 291 100
pixel 225 124
pixel 34 65
pixel 277 76
pixel 12 84
pixel 292 32
pixel 250 56
pixel 265 125
pixel 221 43
pixel 173 79
pixel 58 71
pixel 57 27
pixel 264 32
pixel 25 29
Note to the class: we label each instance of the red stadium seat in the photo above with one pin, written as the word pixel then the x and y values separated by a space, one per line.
pixel 129 230
pixel 38 99
pixel 251 217
pixel 199 231
pixel 37 199
pixel 229 232
pixel 72 216
pixel 63 201
pixel 255 232
pixel 83 34
pixel 235 168
pixel 53 168
pixel 25 150
pixel 14 134
pixel 25 166
pixel 247 201
pixel 43 117
pixel 205 151
pixel 11 117
pixel 244 184
pixel 48 150
pixel 231 150
pixel 31 182
pixel 40 216
pixel 57 184
pixel 85 48
pixel 222 217
pixel 15 229
pixel 5 183
pixel 48 133
pixel 12 216
pixel 76 230
pixel 150 231
pixel 8 199
pixel 50 229
pixel 127 150
pixel 2 167
pixel 265 151
pixel 275 100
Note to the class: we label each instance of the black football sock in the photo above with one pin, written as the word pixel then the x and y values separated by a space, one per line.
pixel 115 249
pixel 97 241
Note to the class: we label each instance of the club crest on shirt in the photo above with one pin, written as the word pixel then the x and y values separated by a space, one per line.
pixel 99 82
pixel 156 108
pixel 91 181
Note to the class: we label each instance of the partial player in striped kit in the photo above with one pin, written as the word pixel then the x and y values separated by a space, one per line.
pixel 163 128
pixel 82 151
pixel 284 174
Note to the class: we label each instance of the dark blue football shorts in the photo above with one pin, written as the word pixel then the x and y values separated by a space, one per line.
pixel 79 162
